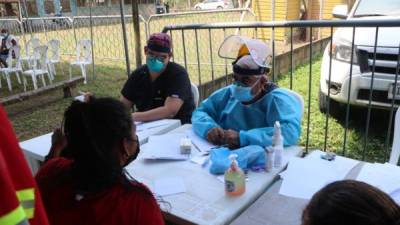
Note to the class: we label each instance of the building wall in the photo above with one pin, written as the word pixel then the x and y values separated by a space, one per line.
pixel 284 10
pixel 327 13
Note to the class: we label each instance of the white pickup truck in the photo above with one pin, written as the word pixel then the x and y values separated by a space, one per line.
pixel 387 55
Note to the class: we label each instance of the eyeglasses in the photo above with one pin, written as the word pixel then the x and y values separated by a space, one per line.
pixel 244 81
pixel 152 55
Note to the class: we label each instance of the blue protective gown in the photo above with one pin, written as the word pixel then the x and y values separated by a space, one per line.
pixel 255 122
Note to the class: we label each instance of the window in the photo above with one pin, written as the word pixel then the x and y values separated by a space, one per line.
pixel 377 8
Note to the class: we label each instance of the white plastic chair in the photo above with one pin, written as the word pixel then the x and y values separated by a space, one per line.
pixel 39 68
pixel 14 66
pixel 83 57
pixel 196 95
pixel 30 46
pixel 394 155
pixel 53 56
pixel 298 97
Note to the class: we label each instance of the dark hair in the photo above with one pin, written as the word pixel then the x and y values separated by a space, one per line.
pixel 351 202
pixel 94 130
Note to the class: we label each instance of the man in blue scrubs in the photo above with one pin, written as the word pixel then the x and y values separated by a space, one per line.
pixel 244 112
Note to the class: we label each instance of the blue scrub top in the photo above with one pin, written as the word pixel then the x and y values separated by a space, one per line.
pixel 254 122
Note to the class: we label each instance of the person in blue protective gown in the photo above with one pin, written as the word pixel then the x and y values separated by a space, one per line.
pixel 244 112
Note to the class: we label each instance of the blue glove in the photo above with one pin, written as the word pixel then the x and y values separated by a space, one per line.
pixel 248 157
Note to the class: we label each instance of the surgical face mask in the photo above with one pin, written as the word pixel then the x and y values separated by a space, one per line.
pixel 154 64
pixel 241 93
pixel 3 34
pixel 133 156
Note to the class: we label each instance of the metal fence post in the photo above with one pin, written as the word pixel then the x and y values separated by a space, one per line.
pixel 91 37
pixel 136 30
pixel 121 9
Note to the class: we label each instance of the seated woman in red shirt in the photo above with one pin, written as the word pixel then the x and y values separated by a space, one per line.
pixel 88 184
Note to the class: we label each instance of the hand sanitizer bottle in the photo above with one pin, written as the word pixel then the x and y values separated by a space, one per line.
pixel 234 178
pixel 277 145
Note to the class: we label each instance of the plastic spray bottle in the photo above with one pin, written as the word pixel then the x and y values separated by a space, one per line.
pixel 277 145
pixel 269 158
pixel 234 178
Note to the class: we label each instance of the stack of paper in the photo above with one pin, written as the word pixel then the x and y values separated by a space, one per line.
pixel 305 176
pixel 166 146
pixel 386 177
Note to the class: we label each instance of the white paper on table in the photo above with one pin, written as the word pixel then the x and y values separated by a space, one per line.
pixel 305 176
pixel 166 146
pixel 283 174
pixel 386 176
pixel 169 186
pixel 221 178
pixel 152 124
pixel 200 159
pixel 199 142
pixel 396 196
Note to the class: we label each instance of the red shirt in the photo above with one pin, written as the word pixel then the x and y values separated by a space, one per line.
pixel 116 205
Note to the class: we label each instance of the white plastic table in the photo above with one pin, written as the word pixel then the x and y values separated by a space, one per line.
pixel 204 201
pixel 37 148
pixel 275 209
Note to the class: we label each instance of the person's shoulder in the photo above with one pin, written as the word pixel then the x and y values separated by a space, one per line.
pixel 138 75
pixel 139 71
pixel 140 187
pixel 53 168
pixel 140 198
pixel 222 92
pixel 57 163
pixel 278 91
pixel 137 192
pixel 177 68
pixel 282 94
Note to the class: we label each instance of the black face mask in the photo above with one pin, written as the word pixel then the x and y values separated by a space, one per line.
pixel 134 156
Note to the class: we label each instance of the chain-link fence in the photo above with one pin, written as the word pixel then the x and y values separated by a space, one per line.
pixel 107 33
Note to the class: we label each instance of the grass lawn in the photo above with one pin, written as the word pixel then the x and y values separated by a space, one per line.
pixel 30 120
pixel 375 143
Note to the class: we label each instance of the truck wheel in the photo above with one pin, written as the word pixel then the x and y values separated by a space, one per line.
pixel 322 101
pixel 334 106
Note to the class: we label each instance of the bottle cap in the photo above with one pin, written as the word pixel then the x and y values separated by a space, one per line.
pixel 233 157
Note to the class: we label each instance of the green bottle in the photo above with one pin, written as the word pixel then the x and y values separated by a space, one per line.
pixel 234 178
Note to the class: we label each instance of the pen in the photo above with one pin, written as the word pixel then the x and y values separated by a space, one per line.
pixel 195 146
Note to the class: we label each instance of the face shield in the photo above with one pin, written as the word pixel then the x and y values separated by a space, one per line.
pixel 251 61
pixel 236 46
